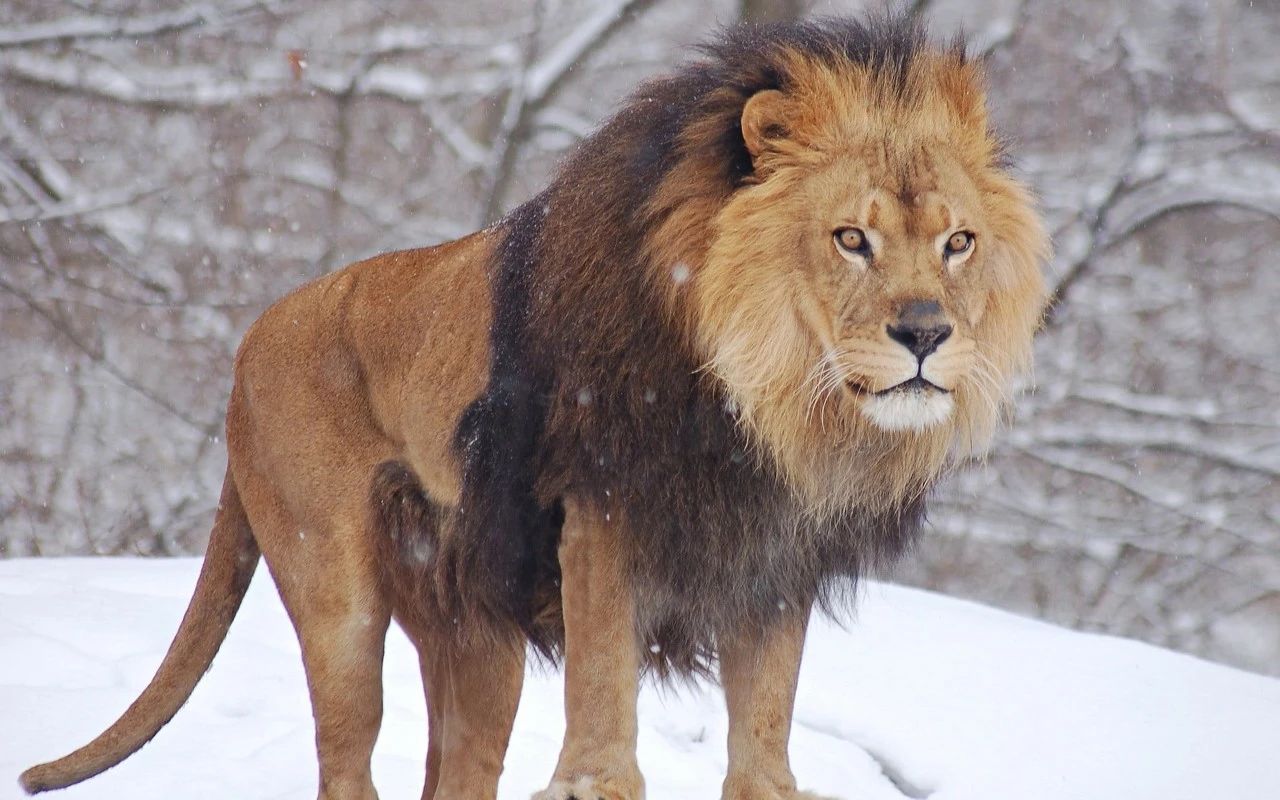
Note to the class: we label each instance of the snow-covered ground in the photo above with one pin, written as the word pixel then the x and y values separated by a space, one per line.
pixel 922 696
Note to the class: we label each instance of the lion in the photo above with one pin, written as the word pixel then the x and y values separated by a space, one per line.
pixel 698 386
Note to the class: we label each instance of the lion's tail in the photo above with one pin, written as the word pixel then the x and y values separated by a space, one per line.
pixel 229 564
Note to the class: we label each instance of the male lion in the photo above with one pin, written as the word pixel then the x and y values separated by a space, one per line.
pixel 647 420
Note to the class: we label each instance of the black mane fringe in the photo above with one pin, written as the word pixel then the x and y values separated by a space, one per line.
pixel 506 540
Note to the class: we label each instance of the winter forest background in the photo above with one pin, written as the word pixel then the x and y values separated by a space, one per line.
pixel 170 167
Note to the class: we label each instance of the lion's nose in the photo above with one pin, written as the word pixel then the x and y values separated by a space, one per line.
pixel 920 328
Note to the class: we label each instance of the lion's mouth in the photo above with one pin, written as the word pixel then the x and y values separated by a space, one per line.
pixel 917 384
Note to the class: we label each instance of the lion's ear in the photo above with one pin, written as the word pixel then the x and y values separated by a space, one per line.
pixel 764 122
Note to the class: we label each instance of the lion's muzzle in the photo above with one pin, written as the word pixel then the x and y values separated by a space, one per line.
pixel 923 399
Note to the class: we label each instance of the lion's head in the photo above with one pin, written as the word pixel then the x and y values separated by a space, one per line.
pixel 869 292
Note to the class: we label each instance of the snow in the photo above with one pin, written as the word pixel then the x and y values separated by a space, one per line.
pixel 920 696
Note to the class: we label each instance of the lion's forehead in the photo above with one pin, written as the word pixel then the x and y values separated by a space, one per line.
pixel 913 211
pixel 923 199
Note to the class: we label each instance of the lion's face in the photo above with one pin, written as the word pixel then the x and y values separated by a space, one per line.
pixel 873 292
pixel 889 278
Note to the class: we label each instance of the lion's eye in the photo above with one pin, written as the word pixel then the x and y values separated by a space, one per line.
pixel 958 243
pixel 853 241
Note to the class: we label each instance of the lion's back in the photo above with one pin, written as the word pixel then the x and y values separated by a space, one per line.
pixel 392 347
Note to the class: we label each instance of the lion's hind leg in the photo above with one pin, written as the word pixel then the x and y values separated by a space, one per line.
pixel 476 688
pixel 332 594
pixel 472 678
pixel 304 480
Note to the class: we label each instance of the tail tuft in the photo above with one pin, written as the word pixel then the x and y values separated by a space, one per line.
pixel 35 780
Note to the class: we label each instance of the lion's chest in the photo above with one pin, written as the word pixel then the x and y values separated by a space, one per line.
pixel 727 549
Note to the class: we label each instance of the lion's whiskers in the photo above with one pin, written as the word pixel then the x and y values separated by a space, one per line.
pixel 988 381
pixel 814 382
pixel 833 380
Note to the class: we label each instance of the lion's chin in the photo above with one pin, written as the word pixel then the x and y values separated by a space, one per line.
pixel 908 409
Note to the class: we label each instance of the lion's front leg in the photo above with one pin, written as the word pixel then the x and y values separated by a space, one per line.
pixel 759 671
pixel 602 662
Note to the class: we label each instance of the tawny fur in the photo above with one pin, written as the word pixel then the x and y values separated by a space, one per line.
pixel 650 418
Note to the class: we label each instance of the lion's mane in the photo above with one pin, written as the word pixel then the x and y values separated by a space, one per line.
pixel 597 389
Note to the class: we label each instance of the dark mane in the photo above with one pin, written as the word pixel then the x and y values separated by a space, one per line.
pixel 594 391
pixel 747 57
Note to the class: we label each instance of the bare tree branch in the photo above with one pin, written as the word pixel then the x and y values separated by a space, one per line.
pixel 538 85
pixel 96 27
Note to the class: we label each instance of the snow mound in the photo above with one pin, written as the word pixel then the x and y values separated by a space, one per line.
pixel 920 696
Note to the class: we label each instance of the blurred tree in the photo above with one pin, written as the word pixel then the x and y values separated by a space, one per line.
pixel 772 10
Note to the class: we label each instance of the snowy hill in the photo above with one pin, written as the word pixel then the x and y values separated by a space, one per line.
pixel 923 696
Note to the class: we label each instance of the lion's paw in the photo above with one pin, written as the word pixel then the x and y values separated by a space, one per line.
pixel 764 792
pixel 589 788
